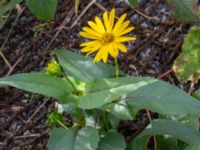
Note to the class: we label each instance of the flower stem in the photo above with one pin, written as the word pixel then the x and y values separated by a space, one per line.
pixel 116 68
pixel 72 84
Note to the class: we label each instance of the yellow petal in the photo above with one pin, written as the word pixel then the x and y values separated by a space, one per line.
pixel 119 22
pixel 95 27
pixel 111 19
pixel 105 56
pixel 125 31
pixel 106 21
pixel 122 27
pixel 91 46
pixel 86 49
pixel 121 47
pixel 98 56
pixel 89 43
pixel 88 35
pixel 92 51
pixel 113 51
pixel 99 24
pixel 91 31
pixel 124 39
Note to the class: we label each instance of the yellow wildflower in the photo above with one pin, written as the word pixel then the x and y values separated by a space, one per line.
pixel 107 37
pixel 53 67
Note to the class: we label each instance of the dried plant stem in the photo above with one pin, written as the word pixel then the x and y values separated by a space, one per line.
pixel 5 60
pixel 191 87
pixel 154 137
pixel 82 13
pixel 165 73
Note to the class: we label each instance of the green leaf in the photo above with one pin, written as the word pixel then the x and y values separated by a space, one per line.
pixel 112 141
pixel 42 9
pixel 197 94
pixel 183 10
pixel 39 83
pixel 161 97
pixel 141 92
pixel 104 91
pixel 173 128
pixel 61 139
pixel 135 3
pixel 139 144
pixel 187 64
pixel 83 68
pixel 87 139
pixel 121 111
pixel 194 146
pixel 166 143
pixel 69 139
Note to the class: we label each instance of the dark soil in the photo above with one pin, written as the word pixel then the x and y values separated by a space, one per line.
pixel 158 43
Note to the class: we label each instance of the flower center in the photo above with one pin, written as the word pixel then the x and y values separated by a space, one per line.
pixel 107 38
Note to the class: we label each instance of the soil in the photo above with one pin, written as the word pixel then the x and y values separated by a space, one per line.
pixel 158 43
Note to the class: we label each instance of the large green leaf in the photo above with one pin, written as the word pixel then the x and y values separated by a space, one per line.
pixel 164 98
pixel 70 139
pixel 61 139
pixel 141 92
pixel 187 64
pixel 112 141
pixel 83 68
pixel 194 146
pixel 42 9
pixel 183 10
pixel 166 143
pixel 39 83
pixel 197 94
pixel 139 144
pixel 104 91
pixel 87 139
pixel 173 128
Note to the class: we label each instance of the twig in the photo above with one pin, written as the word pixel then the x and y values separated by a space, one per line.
pixel 134 68
pixel 64 22
pixel 7 37
pixel 19 9
pixel 82 13
pixel 101 7
pixel 5 60
pixel 37 110
pixel 67 19
pixel 27 136
pixel 13 67
pixel 154 137
pixel 142 14
pixel 10 31
pixel 191 87
pixel 165 73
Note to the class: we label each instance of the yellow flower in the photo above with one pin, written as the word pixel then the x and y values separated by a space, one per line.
pixel 107 37
pixel 53 67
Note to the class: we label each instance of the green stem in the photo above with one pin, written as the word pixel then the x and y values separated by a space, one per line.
pixel 116 68
pixel 61 124
pixel 72 84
